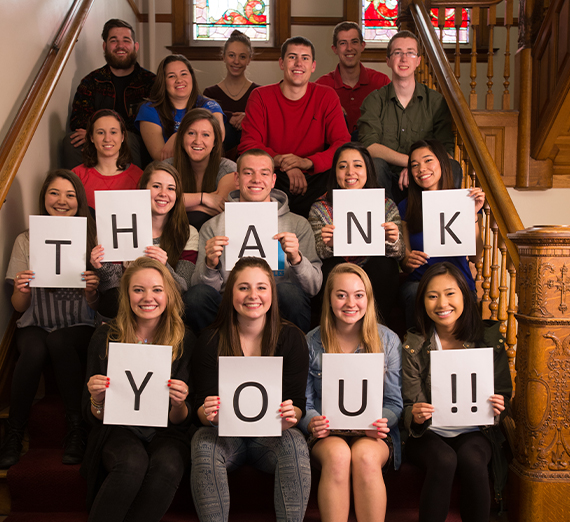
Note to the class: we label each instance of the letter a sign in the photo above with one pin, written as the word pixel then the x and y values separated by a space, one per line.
pixel 250 395
pixel 250 228
pixel 353 386
pixel 449 223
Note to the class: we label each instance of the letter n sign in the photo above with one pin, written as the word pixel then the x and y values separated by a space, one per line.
pixel 358 217
pixel 448 223
pixel 353 385
pixel 250 394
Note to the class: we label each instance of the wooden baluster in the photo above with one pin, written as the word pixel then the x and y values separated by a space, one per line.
pixel 458 20
pixel 441 22
pixel 503 289
pixel 473 74
pixel 491 22
pixel 511 337
pixel 485 300
pixel 494 290
pixel 507 72
pixel 479 280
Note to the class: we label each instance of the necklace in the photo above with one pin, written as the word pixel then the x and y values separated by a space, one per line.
pixel 238 93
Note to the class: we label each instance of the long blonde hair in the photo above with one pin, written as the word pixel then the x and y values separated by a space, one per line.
pixel 170 329
pixel 369 337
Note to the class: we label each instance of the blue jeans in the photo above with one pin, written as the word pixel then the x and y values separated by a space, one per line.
pixel 202 303
pixel 407 298
pixel 287 457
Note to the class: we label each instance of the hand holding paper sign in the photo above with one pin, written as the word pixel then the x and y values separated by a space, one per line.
pixel 392 232
pixel 381 431
pixel 22 296
pixel 498 402
pixel 97 257
pixel 155 252
pixel 288 414
pixel 413 260
pixel 327 235
pixel 478 196
pixel 178 392
pixel 209 410
pixel 319 427
pixel 290 245
pixel 214 248
pixel 421 412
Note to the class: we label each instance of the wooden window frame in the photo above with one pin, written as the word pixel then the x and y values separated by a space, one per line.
pixel 181 33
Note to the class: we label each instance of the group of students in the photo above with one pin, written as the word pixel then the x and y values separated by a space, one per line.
pixel 133 472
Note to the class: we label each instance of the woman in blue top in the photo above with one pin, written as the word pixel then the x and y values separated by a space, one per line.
pixel 175 91
pixel 349 325
pixel 430 169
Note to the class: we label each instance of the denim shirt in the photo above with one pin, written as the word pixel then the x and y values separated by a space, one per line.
pixel 392 404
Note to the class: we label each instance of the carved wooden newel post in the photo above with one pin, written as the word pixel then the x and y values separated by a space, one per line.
pixel 540 472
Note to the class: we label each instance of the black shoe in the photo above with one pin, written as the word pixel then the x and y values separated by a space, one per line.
pixel 12 447
pixel 74 442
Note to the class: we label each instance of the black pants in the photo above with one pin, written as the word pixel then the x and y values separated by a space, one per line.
pixel 301 203
pixel 467 454
pixel 142 477
pixel 67 349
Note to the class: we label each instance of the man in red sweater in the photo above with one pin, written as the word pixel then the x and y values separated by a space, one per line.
pixel 351 80
pixel 299 123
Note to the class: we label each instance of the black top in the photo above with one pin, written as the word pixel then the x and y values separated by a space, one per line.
pixel 92 468
pixel 291 345
pixel 229 105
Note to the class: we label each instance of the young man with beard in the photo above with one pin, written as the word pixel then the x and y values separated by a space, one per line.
pixel 351 80
pixel 120 85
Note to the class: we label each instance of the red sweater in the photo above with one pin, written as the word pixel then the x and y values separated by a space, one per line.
pixel 302 127
pixel 93 180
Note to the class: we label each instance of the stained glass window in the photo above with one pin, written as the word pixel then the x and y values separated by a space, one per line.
pixel 216 19
pixel 379 22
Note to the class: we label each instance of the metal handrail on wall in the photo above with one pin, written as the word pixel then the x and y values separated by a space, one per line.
pixel 21 132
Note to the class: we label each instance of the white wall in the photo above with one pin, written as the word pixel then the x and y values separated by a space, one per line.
pixel 27 29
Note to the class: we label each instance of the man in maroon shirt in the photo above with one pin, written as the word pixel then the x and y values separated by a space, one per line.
pixel 351 80
pixel 299 124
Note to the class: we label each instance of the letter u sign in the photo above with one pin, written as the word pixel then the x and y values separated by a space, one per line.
pixel 353 385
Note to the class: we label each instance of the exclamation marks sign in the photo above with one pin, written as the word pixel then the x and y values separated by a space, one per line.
pixel 474 391
pixel 454 392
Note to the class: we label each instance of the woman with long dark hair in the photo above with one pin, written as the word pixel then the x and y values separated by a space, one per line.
pixel 430 169
pixel 207 177
pixel 107 161
pixel 174 93
pixel 56 325
pixel 353 169
pixel 448 319
pixel 248 324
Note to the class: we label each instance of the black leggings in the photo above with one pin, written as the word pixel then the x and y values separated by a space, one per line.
pixel 143 477
pixel 469 454
pixel 67 349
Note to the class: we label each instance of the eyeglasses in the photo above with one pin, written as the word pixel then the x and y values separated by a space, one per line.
pixel 409 54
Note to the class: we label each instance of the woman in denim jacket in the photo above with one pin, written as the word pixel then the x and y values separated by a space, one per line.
pixel 349 325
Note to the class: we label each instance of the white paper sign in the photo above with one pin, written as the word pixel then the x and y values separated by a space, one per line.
pixel 358 218
pixel 250 228
pixel 58 251
pixel 461 384
pixel 353 387
pixel 124 223
pixel 449 223
pixel 138 391
pixel 250 395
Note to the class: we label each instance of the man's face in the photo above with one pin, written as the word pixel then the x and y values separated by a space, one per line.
pixel 120 49
pixel 402 65
pixel 255 179
pixel 297 65
pixel 348 48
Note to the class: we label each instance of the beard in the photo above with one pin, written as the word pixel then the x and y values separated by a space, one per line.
pixel 121 63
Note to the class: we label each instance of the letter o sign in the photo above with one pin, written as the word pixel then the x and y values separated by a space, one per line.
pixel 264 398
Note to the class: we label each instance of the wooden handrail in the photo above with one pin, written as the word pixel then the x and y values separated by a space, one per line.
pixel 21 132
pixel 498 198
pixel 466 4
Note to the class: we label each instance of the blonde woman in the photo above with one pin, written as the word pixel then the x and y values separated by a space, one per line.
pixel 349 325
pixel 133 472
